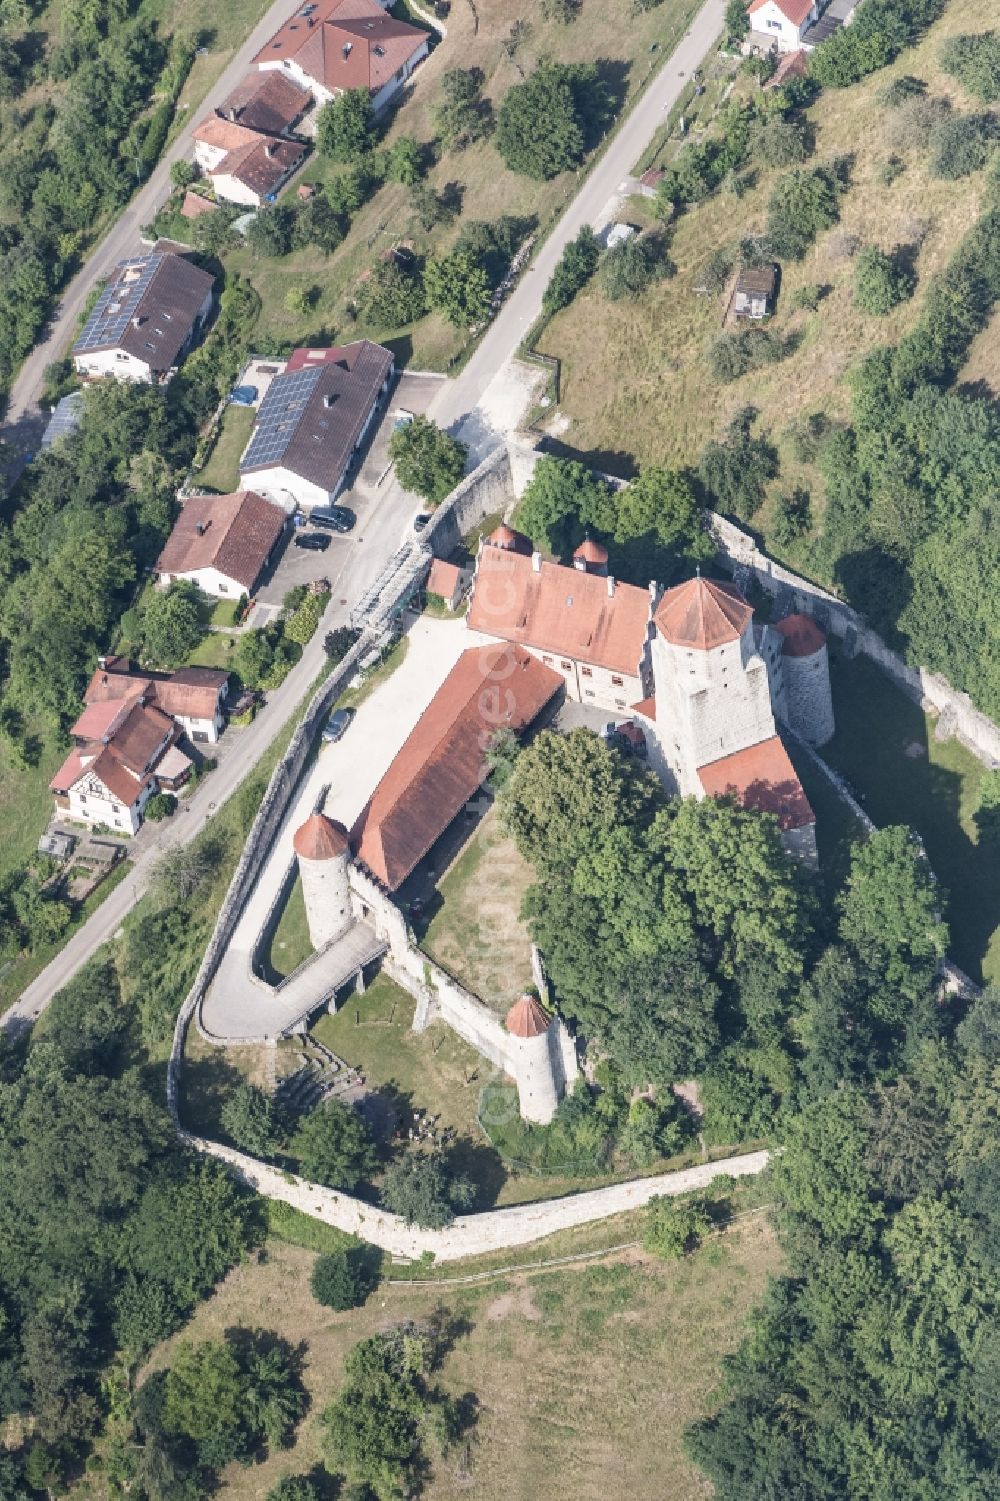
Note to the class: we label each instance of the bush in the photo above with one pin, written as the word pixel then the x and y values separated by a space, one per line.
pixel 750 349
pixel 878 33
pixel 792 516
pixel 544 124
pixel 803 203
pixel 303 623
pixel 736 471
pixel 717 269
pixel 673 1227
pixel 161 805
pixel 393 296
pixel 881 281
pixel 576 266
pixel 343 1279
pixel 807 298
pixel 346 129
pixel 422 1188
pixel 783 143
pixel 629 268
pixel 975 62
pixel 338 643
pixel 963 144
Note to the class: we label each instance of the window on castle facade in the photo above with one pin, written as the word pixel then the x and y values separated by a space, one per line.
pixel 618 682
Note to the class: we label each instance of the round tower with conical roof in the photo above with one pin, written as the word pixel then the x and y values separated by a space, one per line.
pixel 805 672
pixel 324 853
pixel 528 1025
pixel 591 557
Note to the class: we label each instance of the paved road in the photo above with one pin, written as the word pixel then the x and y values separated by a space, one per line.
pixel 455 404
pixel 472 1234
pixel 24 422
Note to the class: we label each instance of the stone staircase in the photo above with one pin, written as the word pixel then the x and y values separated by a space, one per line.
pixel 319 1076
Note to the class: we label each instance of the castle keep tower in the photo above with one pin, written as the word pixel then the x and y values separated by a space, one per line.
pixel 713 697
pixel 324 855
pixel 805 670
pixel 531 1039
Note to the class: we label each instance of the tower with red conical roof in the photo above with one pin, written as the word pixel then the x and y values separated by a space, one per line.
pixel 323 852
pixel 530 1039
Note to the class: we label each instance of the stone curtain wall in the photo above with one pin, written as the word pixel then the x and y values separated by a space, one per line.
pixel 485 492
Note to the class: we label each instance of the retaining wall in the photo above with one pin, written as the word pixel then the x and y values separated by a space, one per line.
pixel 487 491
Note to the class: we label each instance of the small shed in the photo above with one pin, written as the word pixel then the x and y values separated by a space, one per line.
pixel 447 581
pixel 755 290
pixel 57 844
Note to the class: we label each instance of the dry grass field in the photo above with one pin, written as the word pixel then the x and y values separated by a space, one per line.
pixel 606 31
pixel 586 1376
pixel 648 394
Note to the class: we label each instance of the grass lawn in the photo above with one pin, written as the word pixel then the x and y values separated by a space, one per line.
pixel 885 746
pixel 477 933
pixel 25 802
pixel 215 649
pixel 290 944
pixel 651 397
pixel 586 1376
pixel 222 471
pixel 223 612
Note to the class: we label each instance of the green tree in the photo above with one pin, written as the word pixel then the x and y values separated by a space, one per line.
pixel 563 499
pixel 672 1227
pixel 393 296
pixel 345 128
pixel 629 268
pixel 254 1120
pixel 541 127
pixel 802 204
pixel 421 1188
pixel 271 231
pixel 183 173
pixel 294 1488
pixel 405 161
pixel 203 1397
pixel 171 625
pixel 343 1279
pixel 428 460
pixel 333 1146
pixel 161 805
pixel 881 281
pixel 975 61
pixel 662 503
pixel 576 266
pixel 736 471
pixel 737 22
pixel 458 286
pixel 462 116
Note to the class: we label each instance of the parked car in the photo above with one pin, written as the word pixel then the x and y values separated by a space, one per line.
pixel 314 541
pixel 420 521
pixel 334 518
pixel 336 725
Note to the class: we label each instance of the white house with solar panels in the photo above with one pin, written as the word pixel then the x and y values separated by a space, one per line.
pixel 145 319
pixel 314 418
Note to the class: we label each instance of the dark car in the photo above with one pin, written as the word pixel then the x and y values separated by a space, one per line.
pixel 420 521
pixel 313 541
pixel 335 518
pixel 336 725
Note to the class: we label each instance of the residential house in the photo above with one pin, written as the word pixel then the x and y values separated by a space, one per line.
pixel 222 543
pixel 755 289
pixel 329 46
pixel 780 24
pixel 194 696
pixel 110 774
pixel 442 763
pixel 313 420
pixel 145 319
pixel 582 623
pixel 245 166
pixel 269 102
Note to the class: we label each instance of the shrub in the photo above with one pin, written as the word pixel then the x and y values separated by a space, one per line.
pixel 783 143
pixel 343 1279
pixel 975 62
pixel 963 144
pixel 807 298
pixel 803 203
pixel 161 805
pixel 338 643
pixel 878 33
pixel 791 517
pixel 717 269
pixel 303 623
pixel 881 281
pixel 576 266
pixel 393 296
pixel 736 471
pixel 750 349
pixel 629 268
pixel 672 1227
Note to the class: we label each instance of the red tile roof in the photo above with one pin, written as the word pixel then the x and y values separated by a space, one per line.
pixel 268 101
pixel 591 552
pixel 195 205
pixel 320 838
pixel 443 579
pixel 140 736
pixel 526 1018
pixel 233 533
pixel 511 541
pixel 795 11
pixel 116 680
pixel 68 774
pixel 191 692
pixel 647 708
pixel 761 777
pixel 792 65
pixel 442 764
pixel 560 610
pixel 702 614
pixel 224 134
pixel 345 44
pixel 98 719
pixel 802 635
pixel 262 164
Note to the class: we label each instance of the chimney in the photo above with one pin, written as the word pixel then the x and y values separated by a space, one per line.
pixel 269 150
pixel 580 564
pixel 201 527
pixel 611 586
pixel 232 114
pixel 102 662
pixel 346 48
pixel 536 562
pixel 328 400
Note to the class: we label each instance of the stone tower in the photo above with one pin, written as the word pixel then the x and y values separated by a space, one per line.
pixel 535 1069
pixel 712 692
pixel 324 855
pixel 805 672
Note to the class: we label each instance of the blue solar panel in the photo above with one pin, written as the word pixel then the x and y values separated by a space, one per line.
pixel 117 304
pixel 279 416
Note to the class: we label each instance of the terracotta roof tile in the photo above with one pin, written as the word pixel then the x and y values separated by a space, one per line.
pixel 702 614
pixel 345 44
pixel 194 206
pixel 225 135
pixel 802 635
pixel 267 101
pixel 761 777
pixel 191 691
pixel 233 533
pixel 443 579
pixel 506 538
pixel 441 764
pixel 591 552
pixel 792 65
pixel 320 838
pixel 560 610
pixel 795 11
pixel 262 164
pixel 526 1018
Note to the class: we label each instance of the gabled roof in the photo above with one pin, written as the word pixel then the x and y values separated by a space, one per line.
pixel 702 614
pixel 442 763
pixel 443 579
pixel 345 44
pixel 148 308
pixel 98 719
pixel 269 101
pixel 795 11
pixel 802 635
pixel 792 65
pixel 262 164
pixel 125 756
pixel 195 206
pixel 191 692
pixel 233 533
pixel 561 610
pixel 526 1018
pixel 313 413
pixel 320 838
pixel 761 777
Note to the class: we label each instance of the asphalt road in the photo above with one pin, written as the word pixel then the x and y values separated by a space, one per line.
pixel 24 422
pixel 454 404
